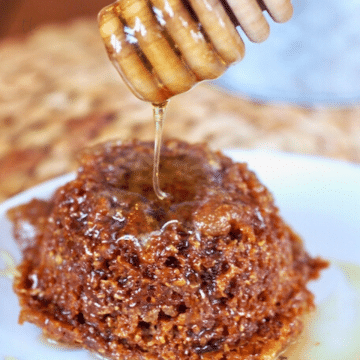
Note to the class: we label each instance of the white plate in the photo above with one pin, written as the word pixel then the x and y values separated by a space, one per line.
pixel 321 200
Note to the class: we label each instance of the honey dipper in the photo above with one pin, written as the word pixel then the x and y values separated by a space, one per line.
pixel 164 47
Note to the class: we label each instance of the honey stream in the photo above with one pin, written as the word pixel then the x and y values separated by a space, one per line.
pixel 159 117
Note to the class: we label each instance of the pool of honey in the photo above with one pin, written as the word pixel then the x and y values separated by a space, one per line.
pixel 317 341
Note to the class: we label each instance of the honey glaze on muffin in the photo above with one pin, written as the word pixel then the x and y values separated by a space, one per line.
pixel 210 272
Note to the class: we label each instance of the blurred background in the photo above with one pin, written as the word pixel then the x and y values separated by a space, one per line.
pixel 297 92
pixel 314 58
pixel 19 17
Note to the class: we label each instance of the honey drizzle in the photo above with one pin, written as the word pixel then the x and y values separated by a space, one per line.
pixel 159 117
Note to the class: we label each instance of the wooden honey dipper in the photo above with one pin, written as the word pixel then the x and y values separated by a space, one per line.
pixel 164 47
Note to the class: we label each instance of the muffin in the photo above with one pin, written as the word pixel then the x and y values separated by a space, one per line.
pixel 211 272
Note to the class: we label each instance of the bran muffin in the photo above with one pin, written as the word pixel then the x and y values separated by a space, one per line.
pixel 211 272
